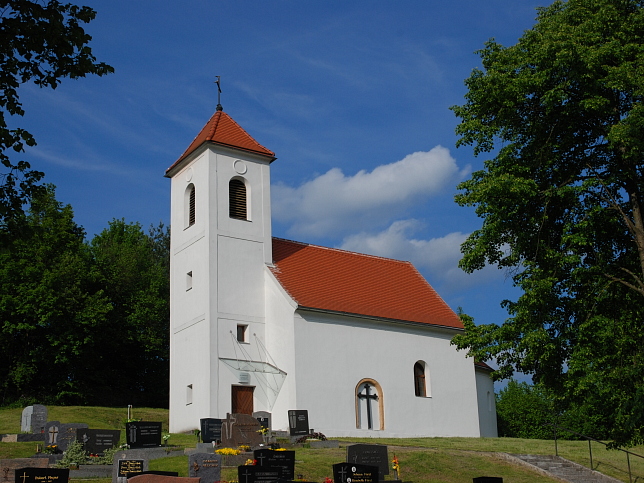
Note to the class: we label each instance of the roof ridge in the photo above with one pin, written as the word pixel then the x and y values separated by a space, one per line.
pixel 350 252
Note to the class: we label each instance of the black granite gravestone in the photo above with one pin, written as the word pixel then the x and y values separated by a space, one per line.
pixel 42 475
pixel 487 479
pixel 210 429
pixel 354 473
pixel 370 454
pixel 96 441
pixel 127 468
pixel 143 434
pixel 253 474
pixel 264 418
pixel 298 422
pixel 284 460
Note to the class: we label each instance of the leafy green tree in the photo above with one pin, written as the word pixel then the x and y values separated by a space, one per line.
pixel 51 307
pixel 134 273
pixel 561 201
pixel 523 410
pixel 44 42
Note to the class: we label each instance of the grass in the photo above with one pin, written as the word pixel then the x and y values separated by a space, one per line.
pixel 421 459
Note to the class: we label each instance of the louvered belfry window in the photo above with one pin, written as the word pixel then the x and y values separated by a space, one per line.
pixel 237 194
pixel 191 208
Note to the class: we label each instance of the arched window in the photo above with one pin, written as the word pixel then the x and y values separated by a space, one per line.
pixel 420 386
pixel 189 203
pixel 237 199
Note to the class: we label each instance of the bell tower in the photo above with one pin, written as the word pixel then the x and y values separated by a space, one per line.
pixel 219 247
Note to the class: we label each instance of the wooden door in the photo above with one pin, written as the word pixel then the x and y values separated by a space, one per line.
pixel 242 399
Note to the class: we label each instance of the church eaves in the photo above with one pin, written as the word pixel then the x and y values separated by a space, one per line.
pixel 335 280
pixel 222 130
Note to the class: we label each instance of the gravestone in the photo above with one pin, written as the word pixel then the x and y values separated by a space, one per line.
pixel 354 473
pixel 487 479
pixel 210 429
pixel 9 466
pixel 282 460
pixel 96 441
pixel 369 454
pixel 143 434
pixel 61 435
pixel 155 478
pixel 205 466
pixel 130 467
pixel 42 475
pixel 239 429
pixel 264 418
pixel 298 422
pixel 25 421
pixel 253 474
pixel 38 419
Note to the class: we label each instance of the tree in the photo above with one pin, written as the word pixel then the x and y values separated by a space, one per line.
pixel 134 274
pixel 40 41
pixel 561 202
pixel 524 410
pixel 51 308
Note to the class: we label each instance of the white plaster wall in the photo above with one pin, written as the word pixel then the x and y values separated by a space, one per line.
pixel 190 310
pixel 333 353
pixel 280 343
pixel 486 404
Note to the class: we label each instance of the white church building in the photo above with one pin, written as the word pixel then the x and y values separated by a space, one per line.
pixel 265 324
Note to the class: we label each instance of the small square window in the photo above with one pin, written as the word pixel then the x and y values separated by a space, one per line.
pixel 242 333
pixel 189 281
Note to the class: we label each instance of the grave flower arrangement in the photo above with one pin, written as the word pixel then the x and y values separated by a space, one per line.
pixel 227 451
pixel 396 467
pixel 50 449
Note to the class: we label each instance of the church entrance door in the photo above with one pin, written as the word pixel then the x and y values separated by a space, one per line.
pixel 242 399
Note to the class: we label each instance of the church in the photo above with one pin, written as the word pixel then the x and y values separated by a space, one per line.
pixel 265 324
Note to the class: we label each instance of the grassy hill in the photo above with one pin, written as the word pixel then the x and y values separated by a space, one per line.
pixel 448 460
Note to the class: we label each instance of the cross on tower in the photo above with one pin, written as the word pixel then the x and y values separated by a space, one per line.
pixel 368 396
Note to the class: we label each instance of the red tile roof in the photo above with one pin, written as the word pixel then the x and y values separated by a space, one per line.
pixel 341 281
pixel 223 130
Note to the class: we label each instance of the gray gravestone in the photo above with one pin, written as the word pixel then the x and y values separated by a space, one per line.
pixel 205 466
pixel 264 418
pixel 25 421
pixel 9 466
pixel 239 429
pixel 52 431
pixel 61 435
pixel 38 418
pixel 369 454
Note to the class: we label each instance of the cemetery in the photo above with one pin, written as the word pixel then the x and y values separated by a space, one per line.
pixel 144 452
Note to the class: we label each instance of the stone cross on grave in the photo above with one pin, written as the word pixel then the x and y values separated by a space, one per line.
pixel 368 396
pixel 53 435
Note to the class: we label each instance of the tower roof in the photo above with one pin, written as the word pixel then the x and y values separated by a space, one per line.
pixel 222 130
pixel 341 281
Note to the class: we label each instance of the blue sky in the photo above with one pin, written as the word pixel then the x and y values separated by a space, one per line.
pixel 352 96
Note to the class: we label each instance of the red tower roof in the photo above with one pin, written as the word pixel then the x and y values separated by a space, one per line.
pixel 221 129
pixel 341 281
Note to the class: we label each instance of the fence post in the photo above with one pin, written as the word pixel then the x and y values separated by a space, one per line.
pixel 590 450
pixel 628 460
pixel 556 449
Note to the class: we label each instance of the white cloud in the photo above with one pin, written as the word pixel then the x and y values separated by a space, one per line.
pixel 334 202
pixel 436 258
